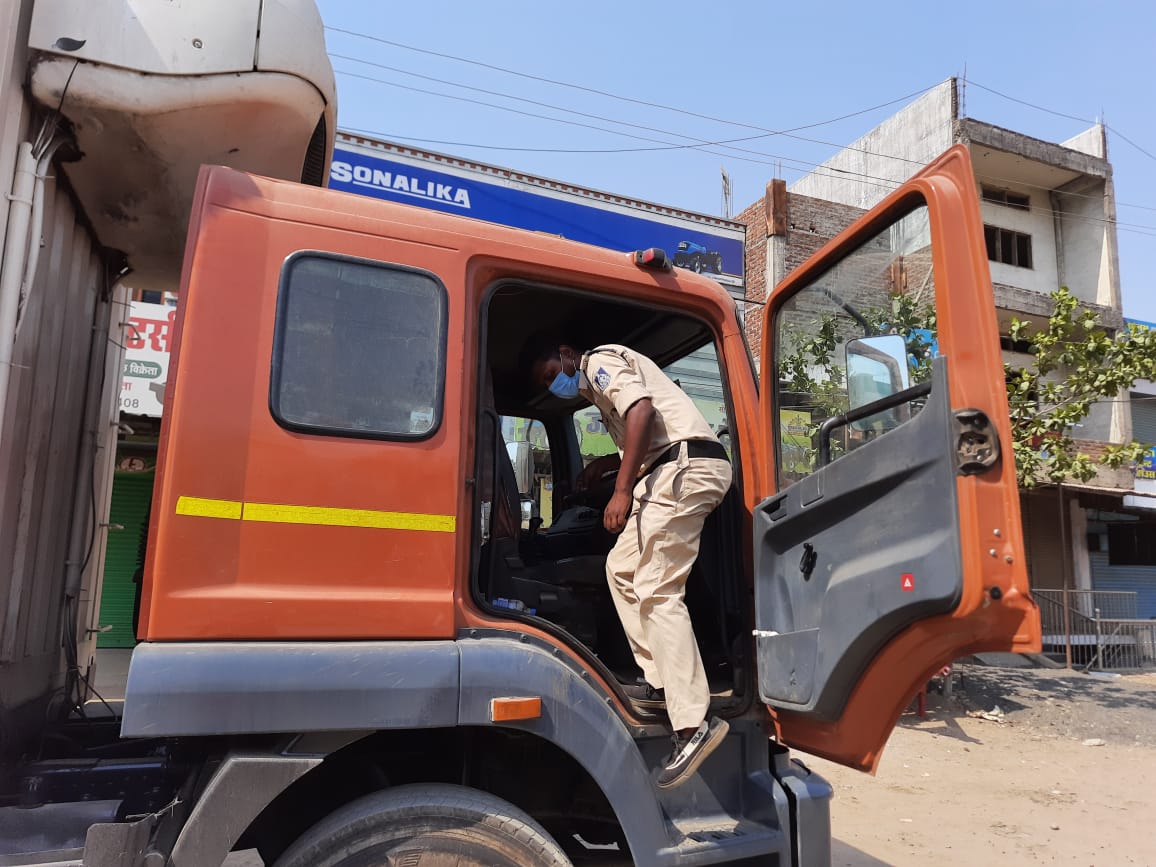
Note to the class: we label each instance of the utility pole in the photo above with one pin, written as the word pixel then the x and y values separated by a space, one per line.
pixel 1066 553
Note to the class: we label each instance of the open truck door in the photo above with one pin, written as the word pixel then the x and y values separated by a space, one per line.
pixel 892 542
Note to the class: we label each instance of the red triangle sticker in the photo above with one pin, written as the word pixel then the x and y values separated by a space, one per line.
pixel 908 582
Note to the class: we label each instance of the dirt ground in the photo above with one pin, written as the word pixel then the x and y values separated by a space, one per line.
pixel 1019 766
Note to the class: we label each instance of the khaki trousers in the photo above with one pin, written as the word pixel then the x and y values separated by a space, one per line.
pixel 647 571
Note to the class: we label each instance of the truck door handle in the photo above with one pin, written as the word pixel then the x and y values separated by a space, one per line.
pixel 807 561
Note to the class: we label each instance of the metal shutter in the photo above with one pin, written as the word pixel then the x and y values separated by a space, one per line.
pixel 1140 580
pixel 1144 418
pixel 131 496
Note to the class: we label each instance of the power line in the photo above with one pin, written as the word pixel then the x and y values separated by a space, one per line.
pixel 975 83
pixel 663 145
pixel 696 140
pixel 815 168
pixel 728 144
pixel 1024 102
pixel 819 169
pixel 698 143
pixel 609 94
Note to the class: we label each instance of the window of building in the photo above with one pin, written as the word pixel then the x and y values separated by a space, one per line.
pixel 1023 347
pixel 1132 544
pixel 1019 201
pixel 359 348
pixel 1011 248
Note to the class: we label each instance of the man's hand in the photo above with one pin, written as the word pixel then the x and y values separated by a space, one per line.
pixel 617 511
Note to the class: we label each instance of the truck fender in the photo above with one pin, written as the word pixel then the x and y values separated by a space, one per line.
pixel 575 717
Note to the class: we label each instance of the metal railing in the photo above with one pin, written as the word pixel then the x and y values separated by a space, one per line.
pixel 1098 627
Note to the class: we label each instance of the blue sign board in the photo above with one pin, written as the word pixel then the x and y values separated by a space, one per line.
pixel 714 251
pixel 1146 466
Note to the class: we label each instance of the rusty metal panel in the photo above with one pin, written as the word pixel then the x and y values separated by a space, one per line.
pixel 776 200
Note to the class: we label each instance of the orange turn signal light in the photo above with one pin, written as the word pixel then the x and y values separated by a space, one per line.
pixel 512 708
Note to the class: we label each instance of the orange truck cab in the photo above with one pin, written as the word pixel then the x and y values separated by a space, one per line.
pixel 374 599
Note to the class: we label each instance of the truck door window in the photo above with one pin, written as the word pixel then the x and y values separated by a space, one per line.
pixel 862 331
pixel 593 439
pixel 359 348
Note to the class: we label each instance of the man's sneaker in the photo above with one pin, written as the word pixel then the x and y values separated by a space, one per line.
pixel 644 695
pixel 690 752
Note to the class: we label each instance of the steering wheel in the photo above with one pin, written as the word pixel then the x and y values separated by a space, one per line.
pixel 596 496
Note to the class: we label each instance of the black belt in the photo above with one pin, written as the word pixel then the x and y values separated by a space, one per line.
pixel 694 449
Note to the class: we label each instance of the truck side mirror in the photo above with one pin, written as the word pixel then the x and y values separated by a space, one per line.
pixel 876 369
pixel 522 458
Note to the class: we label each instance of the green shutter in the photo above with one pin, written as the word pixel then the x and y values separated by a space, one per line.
pixel 131 496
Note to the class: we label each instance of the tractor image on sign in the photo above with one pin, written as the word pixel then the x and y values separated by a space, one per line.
pixel 697 258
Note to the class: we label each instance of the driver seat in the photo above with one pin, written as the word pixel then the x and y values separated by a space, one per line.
pixel 499 484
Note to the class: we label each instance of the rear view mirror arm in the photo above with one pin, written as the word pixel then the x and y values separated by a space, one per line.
pixel 869 330
pixel 865 411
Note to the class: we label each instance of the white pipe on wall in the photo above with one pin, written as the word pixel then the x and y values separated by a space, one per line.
pixel 35 231
pixel 12 267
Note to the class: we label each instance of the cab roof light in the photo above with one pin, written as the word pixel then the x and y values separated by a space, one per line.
pixel 653 258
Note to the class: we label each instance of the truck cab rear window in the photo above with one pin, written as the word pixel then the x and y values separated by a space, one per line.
pixel 359 348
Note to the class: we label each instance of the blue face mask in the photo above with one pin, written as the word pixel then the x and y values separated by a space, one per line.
pixel 565 386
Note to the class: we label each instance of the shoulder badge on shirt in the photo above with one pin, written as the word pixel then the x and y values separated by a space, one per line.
pixel 602 379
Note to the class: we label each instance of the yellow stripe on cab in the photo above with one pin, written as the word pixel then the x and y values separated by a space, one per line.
pixel 317 516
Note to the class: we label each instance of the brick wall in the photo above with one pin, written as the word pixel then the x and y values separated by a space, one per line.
pixel 810 222
pixel 1105 476
pixel 755 270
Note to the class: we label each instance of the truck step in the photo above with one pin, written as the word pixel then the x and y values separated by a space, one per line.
pixel 721 839
pixel 49 831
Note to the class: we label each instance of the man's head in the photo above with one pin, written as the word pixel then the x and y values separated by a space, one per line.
pixel 551 365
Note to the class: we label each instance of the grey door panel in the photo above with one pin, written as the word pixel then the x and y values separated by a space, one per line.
pixel 852 554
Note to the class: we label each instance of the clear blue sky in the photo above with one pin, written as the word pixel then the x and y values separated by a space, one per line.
pixel 775 65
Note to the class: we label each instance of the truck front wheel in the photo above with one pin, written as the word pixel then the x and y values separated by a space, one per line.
pixel 428 825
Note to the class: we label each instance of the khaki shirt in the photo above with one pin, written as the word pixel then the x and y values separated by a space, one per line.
pixel 615 378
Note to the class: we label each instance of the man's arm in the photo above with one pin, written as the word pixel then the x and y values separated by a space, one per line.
pixel 639 423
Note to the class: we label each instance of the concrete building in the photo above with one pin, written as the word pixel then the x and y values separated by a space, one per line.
pixel 1049 220
pixel 1122 532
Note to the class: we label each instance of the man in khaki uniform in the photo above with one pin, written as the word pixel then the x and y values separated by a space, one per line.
pixel 672 474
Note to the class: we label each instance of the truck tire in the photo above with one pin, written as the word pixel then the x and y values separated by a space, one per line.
pixel 427 825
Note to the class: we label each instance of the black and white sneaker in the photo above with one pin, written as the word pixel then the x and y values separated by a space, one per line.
pixel 690 753
pixel 644 695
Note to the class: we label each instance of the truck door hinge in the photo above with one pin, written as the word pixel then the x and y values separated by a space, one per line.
pixel 976 442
